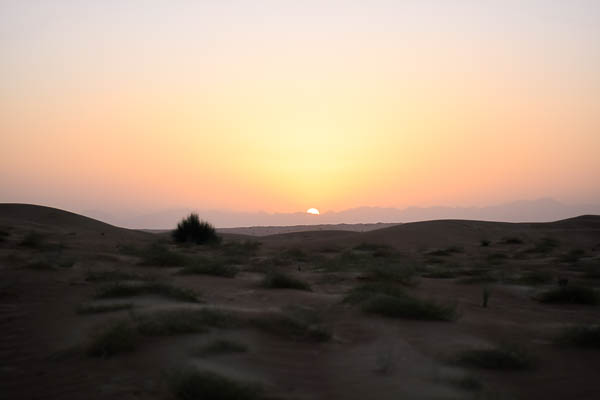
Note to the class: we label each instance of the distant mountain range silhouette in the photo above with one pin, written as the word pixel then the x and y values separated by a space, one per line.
pixel 541 210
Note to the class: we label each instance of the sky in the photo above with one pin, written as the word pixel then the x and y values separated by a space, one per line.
pixel 279 106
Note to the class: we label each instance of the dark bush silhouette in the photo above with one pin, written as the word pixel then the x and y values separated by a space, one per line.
pixel 194 230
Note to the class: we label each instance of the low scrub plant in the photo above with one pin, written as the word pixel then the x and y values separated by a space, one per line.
pixel 570 295
pixel 91 308
pixel 280 280
pixel 130 289
pixel 189 383
pixel 587 336
pixel 294 323
pixel 117 337
pixel 182 321
pixel 215 267
pixel 160 255
pixel 501 358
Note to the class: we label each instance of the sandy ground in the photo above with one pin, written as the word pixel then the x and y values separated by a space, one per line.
pixel 43 339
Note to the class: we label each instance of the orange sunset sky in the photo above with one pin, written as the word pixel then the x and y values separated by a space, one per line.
pixel 285 105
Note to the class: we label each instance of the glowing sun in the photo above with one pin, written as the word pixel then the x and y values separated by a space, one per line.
pixel 312 211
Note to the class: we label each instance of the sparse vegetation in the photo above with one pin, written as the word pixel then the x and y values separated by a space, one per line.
pixel 572 256
pixel 497 258
pixel 182 321
pixel 280 280
pixel 485 296
pixel 467 382
pixel 391 301
pixel 125 289
pixel 41 265
pixel 159 255
pixel 194 230
pixel 391 272
pixel 216 267
pixel 32 240
pixel 581 336
pixel 91 308
pixel 535 278
pixel 484 243
pixel 114 275
pixel 441 273
pixel 502 358
pixel 220 346
pixel 294 323
pixel 570 295
pixel 544 245
pixel 445 252
pixel 512 240
pixel 190 383
pixel 117 337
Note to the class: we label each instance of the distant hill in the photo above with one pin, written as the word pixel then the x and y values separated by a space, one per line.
pixel 276 230
pixel 542 210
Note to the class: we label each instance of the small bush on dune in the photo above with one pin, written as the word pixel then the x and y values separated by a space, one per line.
pixel 220 346
pixel 535 278
pixel 280 280
pixel 117 337
pixel 159 255
pixel 245 248
pixel 113 275
pixel 544 245
pixel 210 267
pixel 194 230
pixel 392 272
pixel 183 321
pixel 33 240
pixel 512 240
pixel 190 383
pixel 502 358
pixel 102 308
pixel 572 256
pixel 41 266
pixel 581 336
pixel 122 289
pixel 446 252
pixel 570 295
pixel 293 324
pixel 392 301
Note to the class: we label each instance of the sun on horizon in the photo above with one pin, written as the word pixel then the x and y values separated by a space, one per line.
pixel 313 211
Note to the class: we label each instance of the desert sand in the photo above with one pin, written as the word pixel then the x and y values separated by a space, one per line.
pixel 67 279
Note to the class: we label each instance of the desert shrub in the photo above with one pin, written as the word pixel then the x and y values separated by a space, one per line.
pixel 280 280
pixel 129 249
pixel 572 256
pixel 114 275
pixel 478 275
pixel 190 383
pixel 535 278
pixel 159 255
pixel 496 258
pixel 502 358
pixel 512 240
pixel 117 337
pixel 570 295
pixel 409 307
pixel 445 252
pixel 194 230
pixel 182 321
pixel 295 254
pixel 295 324
pixel 102 308
pixel 365 291
pixel 41 265
pixel 581 336
pixel 391 272
pixel 484 243
pixel 215 267
pixel 245 248
pixel 392 301
pixel 123 289
pixel 220 346
pixel 544 245
pixel 33 240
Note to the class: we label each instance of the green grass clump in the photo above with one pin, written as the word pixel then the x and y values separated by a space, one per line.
pixel 294 323
pixel 210 267
pixel 117 337
pixel 220 346
pixel 570 295
pixel 194 230
pixel 182 321
pixel 581 336
pixel 280 280
pixel 102 308
pixel 190 383
pixel 122 289
pixel 501 358
pixel 159 255
pixel 392 301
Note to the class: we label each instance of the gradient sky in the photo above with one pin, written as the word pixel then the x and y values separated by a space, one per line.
pixel 285 105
